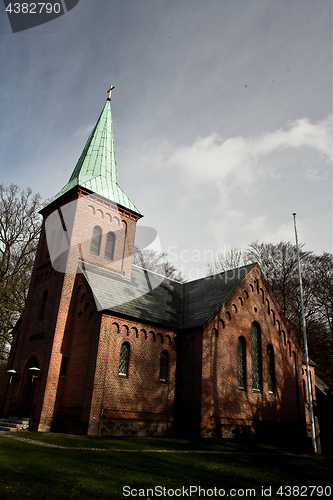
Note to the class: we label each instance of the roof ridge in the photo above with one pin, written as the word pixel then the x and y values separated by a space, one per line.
pixel 158 274
pixel 222 272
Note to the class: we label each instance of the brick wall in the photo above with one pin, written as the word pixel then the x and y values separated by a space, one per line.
pixel 140 397
pixel 40 339
pixel 92 343
pixel 226 409
pixel 231 407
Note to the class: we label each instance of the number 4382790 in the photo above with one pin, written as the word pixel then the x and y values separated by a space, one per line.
pixel 33 8
pixel 304 491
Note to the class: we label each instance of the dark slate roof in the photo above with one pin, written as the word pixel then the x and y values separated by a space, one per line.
pixel 203 297
pixel 320 384
pixel 153 298
pixel 311 363
pixel 147 296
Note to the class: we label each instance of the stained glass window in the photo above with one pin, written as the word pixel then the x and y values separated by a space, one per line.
pixel 123 361
pixel 164 366
pixel 109 248
pixel 96 240
pixel 270 368
pixel 256 357
pixel 241 363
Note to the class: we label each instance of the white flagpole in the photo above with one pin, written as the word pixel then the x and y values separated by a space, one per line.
pixel 306 352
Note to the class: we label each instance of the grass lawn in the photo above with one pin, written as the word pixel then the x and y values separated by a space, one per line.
pixel 29 471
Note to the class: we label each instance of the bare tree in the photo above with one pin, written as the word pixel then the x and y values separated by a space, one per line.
pixel 232 259
pixel 156 262
pixel 320 276
pixel 20 226
pixel 279 265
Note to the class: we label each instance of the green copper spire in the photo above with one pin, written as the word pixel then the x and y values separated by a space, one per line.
pixel 96 168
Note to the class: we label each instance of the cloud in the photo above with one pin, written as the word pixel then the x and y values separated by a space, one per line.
pixel 239 160
pixel 237 228
pixel 241 189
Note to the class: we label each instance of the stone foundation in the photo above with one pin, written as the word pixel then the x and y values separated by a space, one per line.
pixel 135 428
pixel 229 428
pixel 262 429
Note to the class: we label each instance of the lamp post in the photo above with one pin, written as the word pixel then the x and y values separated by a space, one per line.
pixel 35 372
pixel 12 374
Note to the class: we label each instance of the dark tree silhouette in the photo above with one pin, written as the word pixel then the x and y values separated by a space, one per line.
pixel 20 225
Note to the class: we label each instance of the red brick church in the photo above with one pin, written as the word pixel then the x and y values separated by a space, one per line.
pixel 106 347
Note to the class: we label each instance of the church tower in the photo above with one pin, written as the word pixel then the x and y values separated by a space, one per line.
pixel 90 222
pixel 91 216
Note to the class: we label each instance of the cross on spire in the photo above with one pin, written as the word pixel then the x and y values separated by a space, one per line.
pixel 109 92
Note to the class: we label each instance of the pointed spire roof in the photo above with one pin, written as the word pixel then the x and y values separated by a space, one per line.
pixel 96 168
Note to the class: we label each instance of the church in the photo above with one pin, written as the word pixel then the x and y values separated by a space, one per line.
pixel 105 347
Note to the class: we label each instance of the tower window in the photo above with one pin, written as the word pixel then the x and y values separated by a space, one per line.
pixel 256 357
pixel 270 369
pixel 43 305
pixel 123 361
pixel 164 366
pixel 241 352
pixel 110 243
pixel 96 240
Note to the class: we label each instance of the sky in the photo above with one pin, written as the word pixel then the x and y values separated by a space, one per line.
pixel 222 115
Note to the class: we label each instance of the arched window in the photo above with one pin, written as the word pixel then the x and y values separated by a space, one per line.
pixel 164 366
pixel 256 357
pixel 34 363
pixel 123 361
pixel 241 352
pixel 43 305
pixel 63 369
pixel 96 240
pixel 110 243
pixel 270 368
